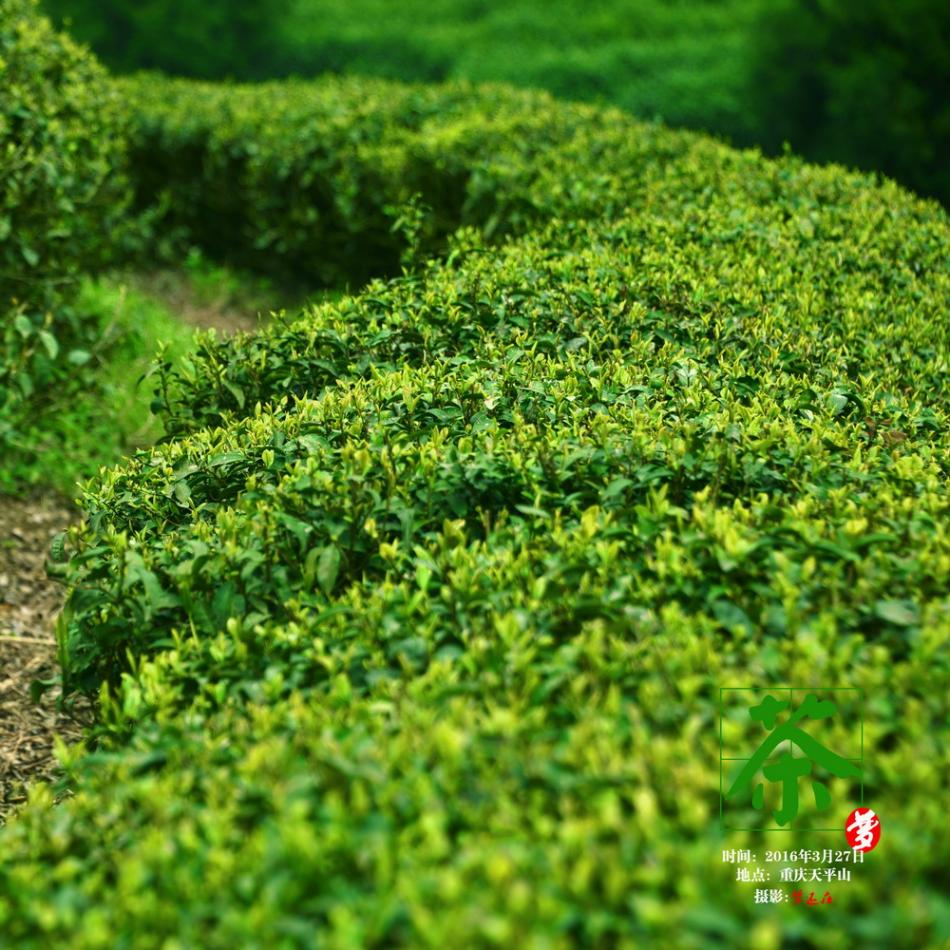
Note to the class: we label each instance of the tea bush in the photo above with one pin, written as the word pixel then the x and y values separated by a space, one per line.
pixel 862 82
pixel 60 196
pixel 413 632
pixel 313 181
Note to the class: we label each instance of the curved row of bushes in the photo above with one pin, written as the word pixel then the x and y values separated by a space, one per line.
pixel 61 195
pixel 414 632
pixel 335 182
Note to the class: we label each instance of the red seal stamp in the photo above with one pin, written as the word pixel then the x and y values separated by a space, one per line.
pixel 862 828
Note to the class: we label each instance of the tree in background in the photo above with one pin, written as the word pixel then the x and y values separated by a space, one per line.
pixel 863 82
pixel 207 40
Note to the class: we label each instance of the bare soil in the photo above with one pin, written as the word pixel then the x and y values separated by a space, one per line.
pixel 29 603
pixel 221 309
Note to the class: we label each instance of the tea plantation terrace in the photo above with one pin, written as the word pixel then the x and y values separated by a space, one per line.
pixel 413 629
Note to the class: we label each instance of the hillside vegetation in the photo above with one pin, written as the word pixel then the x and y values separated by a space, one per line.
pixel 862 82
pixel 412 631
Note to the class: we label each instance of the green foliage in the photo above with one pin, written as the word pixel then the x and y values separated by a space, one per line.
pixel 59 200
pixel 332 183
pixel 206 40
pixel 413 631
pixel 866 82
pixel 863 82
pixel 684 61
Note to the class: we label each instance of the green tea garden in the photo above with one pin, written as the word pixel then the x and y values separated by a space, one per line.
pixel 406 622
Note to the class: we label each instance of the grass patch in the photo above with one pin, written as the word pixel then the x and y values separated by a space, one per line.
pixel 83 426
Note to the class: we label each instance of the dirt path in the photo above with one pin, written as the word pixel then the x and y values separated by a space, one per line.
pixel 222 308
pixel 29 602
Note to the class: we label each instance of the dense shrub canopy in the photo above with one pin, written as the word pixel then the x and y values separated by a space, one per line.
pixel 684 61
pixel 316 182
pixel 413 633
pixel 60 144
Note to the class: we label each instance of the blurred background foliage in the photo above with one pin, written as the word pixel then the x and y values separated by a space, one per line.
pixel 862 82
